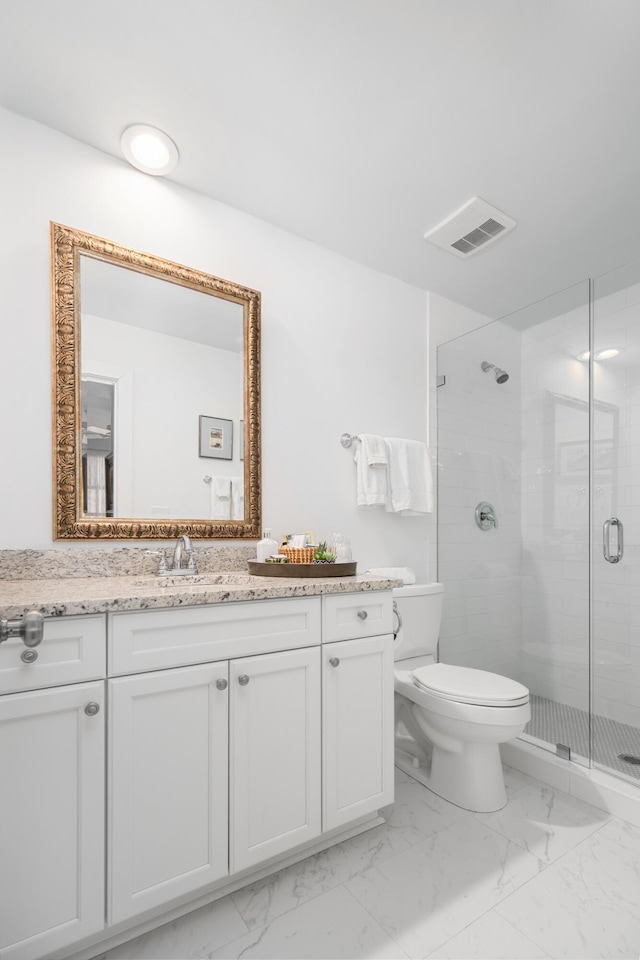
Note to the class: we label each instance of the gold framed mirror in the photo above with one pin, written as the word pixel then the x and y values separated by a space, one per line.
pixel 156 396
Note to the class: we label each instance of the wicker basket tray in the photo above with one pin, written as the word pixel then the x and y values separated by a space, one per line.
pixel 298 554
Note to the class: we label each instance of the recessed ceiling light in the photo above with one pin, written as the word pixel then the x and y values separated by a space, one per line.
pixel 149 149
pixel 600 355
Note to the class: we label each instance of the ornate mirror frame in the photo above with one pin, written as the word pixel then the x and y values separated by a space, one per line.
pixel 67 245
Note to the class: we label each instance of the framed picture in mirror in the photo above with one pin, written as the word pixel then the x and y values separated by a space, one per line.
pixel 216 438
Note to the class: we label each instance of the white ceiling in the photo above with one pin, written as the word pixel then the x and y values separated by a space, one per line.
pixel 360 124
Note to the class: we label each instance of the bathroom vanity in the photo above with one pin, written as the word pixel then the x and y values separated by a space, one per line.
pixel 174 741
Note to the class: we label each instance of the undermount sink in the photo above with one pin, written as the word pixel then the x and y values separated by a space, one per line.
pixel 195 580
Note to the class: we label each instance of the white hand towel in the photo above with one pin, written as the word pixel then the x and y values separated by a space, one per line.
pixel 371 471
pixel 221 498
pixel 410 480
pixel 237 498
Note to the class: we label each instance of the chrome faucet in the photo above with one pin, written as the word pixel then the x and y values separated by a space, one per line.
pixel 183 549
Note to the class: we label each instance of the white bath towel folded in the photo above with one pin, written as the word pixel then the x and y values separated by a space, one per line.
pixel 371 471
pixel 237 498
pixel 405 574
pixel 221 498
pixel 374 449
pixel 410 481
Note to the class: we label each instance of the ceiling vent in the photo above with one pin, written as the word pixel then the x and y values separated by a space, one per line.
pixel 471 228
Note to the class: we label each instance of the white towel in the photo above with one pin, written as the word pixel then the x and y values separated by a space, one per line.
pixel 96 475
pixel 237 498
pixel 371 471
pixel 405 574
pixel 410 480
pixel 220 498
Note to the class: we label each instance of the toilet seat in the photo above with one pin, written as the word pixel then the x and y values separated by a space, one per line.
pixel 469 685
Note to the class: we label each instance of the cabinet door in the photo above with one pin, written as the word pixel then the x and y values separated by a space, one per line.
pixel 168 786
pixel 357 728
pixel 51 819
pixel 275 754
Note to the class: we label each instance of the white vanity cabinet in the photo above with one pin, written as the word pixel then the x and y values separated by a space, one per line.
pixel 168 786
pixel 52 862
pixel 275 763
pixel 230 735
pixel 357 708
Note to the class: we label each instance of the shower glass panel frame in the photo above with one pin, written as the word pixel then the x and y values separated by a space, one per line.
pixel 615 674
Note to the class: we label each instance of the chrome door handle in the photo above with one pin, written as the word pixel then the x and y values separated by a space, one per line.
pixel 334 661
pixel 243 680
pixel 606 540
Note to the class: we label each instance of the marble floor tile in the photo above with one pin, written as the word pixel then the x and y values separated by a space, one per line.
pixel 545 821
pixel 194 935
pixel 429 893
pixel 268 898
pixel 489 938
pixel 418 813
pixel 515 780
pixel 331 925
pixel 586 904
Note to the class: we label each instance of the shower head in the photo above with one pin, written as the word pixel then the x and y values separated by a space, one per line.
pixel 501 375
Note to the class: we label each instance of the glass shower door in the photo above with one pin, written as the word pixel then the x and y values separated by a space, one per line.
pixel 615 486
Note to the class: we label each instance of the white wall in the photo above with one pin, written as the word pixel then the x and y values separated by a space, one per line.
pixel 343 347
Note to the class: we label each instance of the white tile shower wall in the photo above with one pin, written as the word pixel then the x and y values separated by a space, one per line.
pixel 555 509
pixel 479 459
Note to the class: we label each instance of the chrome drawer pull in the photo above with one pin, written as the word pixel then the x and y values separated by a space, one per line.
pixel 92 708
pixel 221 684
pixel 334 661
pixel 243 680
pixel 362 614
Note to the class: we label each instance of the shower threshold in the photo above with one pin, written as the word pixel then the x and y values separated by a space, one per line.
pixel 616 746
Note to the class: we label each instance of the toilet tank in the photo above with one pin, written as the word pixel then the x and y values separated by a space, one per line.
pixel 419 608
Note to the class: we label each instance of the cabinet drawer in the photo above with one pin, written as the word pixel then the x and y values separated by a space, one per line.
pixel 155 639
pixel 72 649
pixel 348 616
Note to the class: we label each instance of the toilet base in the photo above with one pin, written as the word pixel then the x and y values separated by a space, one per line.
pixel 472 779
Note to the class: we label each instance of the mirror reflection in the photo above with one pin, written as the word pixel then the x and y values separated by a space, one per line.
pixel 157 360
pixel 156 396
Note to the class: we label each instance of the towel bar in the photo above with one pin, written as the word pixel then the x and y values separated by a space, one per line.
pixel 348 438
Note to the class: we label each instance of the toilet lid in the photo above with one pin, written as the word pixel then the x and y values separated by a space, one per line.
pixel 467 685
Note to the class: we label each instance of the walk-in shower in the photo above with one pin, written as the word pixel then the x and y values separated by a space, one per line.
pixel 549 596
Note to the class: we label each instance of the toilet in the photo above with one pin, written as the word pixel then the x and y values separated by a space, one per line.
pixel 449 720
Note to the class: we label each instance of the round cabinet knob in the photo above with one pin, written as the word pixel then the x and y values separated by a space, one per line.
pixel 221 684
pixel 92 708
pixel 334 661
pixel 362 614
pixel 29 656
pixel 243 680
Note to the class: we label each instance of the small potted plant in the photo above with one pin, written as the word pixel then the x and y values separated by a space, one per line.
pixel 323 554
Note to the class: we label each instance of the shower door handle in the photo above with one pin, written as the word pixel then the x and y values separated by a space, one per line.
pixel 606 540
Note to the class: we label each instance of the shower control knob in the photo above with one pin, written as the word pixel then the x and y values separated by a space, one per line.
pixel 221 684
pixel 362 614
pixel 243 680
pixel 334 661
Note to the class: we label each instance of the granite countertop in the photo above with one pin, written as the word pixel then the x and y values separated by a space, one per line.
pixel 85 595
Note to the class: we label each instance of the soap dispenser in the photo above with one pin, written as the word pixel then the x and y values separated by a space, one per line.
pixel 266 547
